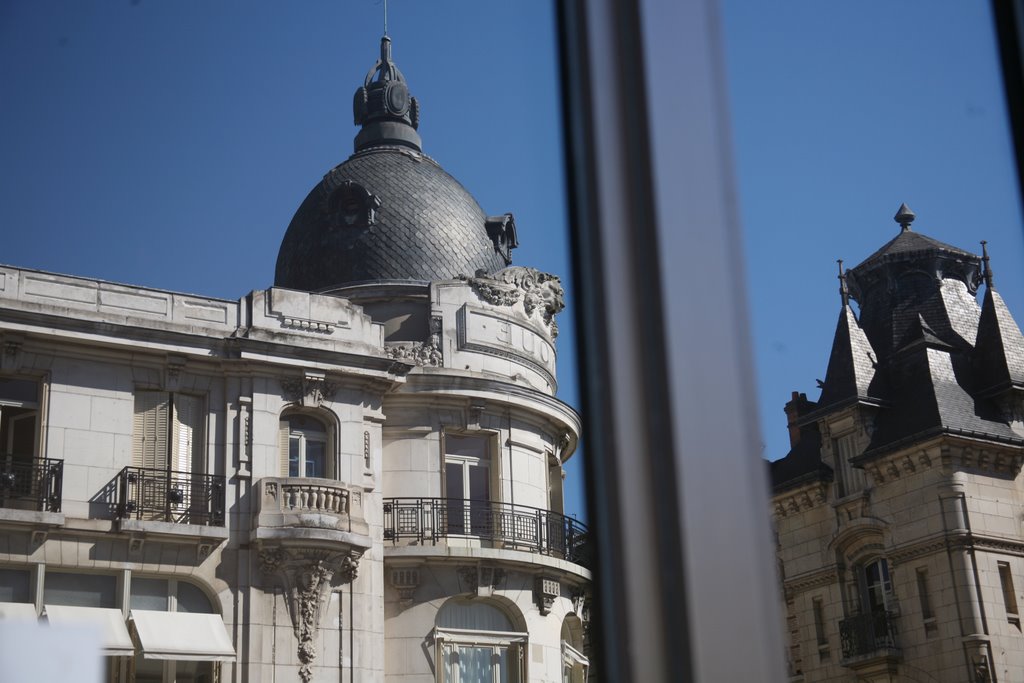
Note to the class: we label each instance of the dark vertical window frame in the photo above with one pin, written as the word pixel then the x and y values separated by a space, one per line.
pixel 663 606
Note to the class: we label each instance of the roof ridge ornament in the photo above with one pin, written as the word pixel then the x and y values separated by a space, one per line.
pixel 986 269
pixel 844 290
pixel 388 114
pixel 904 216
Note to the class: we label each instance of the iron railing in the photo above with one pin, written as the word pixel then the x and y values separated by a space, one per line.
pixel 168 496
pixel 31 483
pixel 427 520
pixel 866 634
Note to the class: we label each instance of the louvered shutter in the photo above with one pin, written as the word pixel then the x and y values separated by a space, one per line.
pixel 282 448
pixel 149 431
pixel 188 433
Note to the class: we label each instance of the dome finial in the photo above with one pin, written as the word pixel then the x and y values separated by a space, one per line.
pixel 388 114
pixel 904 217
pixel 844 290
pixel 986 269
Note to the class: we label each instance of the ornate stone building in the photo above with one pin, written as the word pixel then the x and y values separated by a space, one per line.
pixel 355 475
pixel 898 508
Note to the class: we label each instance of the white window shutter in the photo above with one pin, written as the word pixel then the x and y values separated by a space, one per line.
pixel 282 440
pixel 188 433
pixel 149 431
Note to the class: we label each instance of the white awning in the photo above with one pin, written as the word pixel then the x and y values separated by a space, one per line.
pixel 18 610
pixel 468 637
pixel 109 622
pixel 178 635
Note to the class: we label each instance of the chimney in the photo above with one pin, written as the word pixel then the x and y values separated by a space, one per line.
pixel 793 410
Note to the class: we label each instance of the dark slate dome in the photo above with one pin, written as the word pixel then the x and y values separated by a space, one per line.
pixel 389 212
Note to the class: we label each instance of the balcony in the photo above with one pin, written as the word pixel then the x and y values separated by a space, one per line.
pixel 309 511
pixel 32 484
pixel 869 640
pixel 520 527
pixel 30 493
pixel 156 495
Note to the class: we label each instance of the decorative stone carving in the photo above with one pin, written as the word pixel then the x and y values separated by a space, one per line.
pixel 306 576
pixel 366 450
pixel 545 591
pixel 539 291
pixel 311 390
pixel 11 359
pixel 405 580
pixel 480 580
pixel 419 353
pixel 172 373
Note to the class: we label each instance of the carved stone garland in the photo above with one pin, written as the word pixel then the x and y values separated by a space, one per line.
pixel 539 291
pixel 306 577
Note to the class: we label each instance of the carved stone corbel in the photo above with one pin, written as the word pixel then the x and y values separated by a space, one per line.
pixel 306 576
pixel 545 591
pixel 311 390
pixel 10 361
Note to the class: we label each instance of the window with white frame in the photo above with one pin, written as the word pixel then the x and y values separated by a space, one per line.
pixel 476 642
pixel 305 447
pixel 467 484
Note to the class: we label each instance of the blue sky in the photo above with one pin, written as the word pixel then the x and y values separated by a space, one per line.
pixel 168 144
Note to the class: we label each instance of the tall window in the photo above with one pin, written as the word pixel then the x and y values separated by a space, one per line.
pixel 851 479
pixel 168 433
pixel 873 589
pixel 305 447
pixel 467 484
pixel 575 664
pixel 1009 595
pixel 19 410
pixel 477 643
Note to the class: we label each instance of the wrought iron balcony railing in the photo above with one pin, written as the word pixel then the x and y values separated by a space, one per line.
pixel 427 520
pixel 866 634
pixel 168 496
pixel 31 483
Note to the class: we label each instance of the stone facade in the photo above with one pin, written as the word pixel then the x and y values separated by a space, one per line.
pixel 897 511
pixel 358 483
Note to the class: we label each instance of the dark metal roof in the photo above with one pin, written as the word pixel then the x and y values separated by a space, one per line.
pixel 943 364
pixel 387 213
pixel 851 365
pixel 907 244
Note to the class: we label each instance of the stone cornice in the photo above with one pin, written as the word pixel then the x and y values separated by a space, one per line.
pixel 825 576
pixel 795 501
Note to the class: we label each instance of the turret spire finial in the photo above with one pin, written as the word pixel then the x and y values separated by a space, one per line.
pixel 844 290
pixel 986 269
pixel 904 217
pixel 388 114
pixel 385 18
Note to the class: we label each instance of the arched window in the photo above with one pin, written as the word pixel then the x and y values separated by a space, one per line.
pixel 306 447
pixel 477 643
pixel 574 663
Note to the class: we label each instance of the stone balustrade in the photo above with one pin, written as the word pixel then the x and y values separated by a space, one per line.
pixel 306 503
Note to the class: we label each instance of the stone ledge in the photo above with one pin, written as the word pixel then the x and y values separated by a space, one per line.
pixel 307 537
pixel 30 518
pixel 464 553
pixel 170 531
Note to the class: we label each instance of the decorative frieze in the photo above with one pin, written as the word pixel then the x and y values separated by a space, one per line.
pixel 800 500
pixel 418 353
pixel 405 580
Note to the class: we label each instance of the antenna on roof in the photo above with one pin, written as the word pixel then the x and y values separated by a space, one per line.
pixel 385 17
